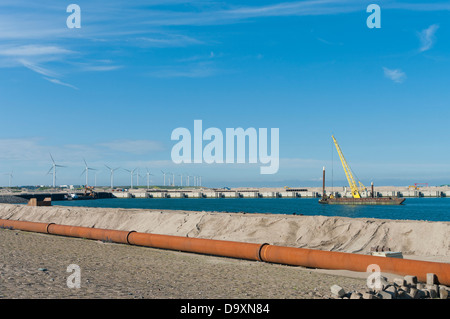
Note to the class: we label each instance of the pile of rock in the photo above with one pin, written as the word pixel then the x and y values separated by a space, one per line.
pixel 400 288
pixel 379 249
pixel 11 199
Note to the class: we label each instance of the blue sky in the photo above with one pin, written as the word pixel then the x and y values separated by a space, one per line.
pixel 113 91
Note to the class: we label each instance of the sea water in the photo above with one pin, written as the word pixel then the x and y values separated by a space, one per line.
pixel 431 209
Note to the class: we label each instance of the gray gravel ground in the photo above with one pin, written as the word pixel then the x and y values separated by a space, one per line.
pixel 35 265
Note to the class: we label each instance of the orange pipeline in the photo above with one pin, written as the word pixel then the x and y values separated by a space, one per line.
pixel 116 236
pixel 198 245
pixel 261 252
pixel 24 225
pixel 355 262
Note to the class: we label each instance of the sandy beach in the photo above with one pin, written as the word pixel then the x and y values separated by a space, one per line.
pixel 35 265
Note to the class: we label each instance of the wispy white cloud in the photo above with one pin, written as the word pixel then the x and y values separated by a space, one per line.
pixel 32 57
pixel 32 50
pixel 235 13
pixel 59 82
pixel 14 149
pixel 35 149
pixel 424 6
pixel 102 68
pixel 36 68
pixel 296 8
pixel 427 37
pixel 97 66
pixel 48 75
pixel 148 28
pixel 396 75
pixel 167 40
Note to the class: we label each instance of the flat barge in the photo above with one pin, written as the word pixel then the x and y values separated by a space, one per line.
pixel 357 198
pixel 362 201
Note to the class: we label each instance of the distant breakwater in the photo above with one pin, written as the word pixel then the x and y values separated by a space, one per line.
pixel 23 198
pixel 11 199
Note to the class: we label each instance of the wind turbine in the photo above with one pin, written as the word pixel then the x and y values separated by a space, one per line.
pixel 95 177
pixel 131 174
pixel 53 168
pixel 197 180
pixel 173 178
pixel 164 173
pixel 111 171
pixel 86 171
pixel 137 177
pixel 10 177
pixel 148 178
pixel 181 179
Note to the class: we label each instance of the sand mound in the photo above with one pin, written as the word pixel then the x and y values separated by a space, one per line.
pixel 356 235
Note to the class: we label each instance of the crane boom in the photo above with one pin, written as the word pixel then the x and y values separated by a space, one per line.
pixel 348 173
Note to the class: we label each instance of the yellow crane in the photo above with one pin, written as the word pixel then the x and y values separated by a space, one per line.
pixel 356 191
